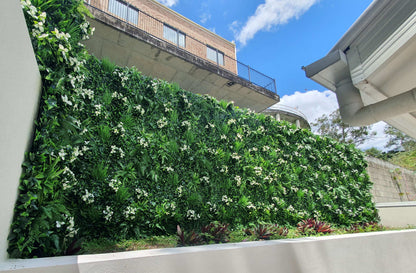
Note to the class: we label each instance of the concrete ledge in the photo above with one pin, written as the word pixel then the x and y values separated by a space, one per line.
pixel 396 204
pixel 390 251
pixel 397 214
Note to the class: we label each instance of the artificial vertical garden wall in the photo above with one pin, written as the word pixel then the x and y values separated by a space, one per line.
pixel 119 155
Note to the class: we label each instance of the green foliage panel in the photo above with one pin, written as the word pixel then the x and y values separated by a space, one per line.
pixel 120 155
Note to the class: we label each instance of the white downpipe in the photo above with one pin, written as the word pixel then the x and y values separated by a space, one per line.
pixel 354 113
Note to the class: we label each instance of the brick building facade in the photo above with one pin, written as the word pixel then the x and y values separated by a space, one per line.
pixel 166 24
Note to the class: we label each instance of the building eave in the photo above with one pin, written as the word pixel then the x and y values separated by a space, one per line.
pixel 378 56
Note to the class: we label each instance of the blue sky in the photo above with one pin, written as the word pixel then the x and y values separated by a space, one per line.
pixel 278 37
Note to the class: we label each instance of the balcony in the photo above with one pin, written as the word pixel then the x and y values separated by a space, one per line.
pixel 177 50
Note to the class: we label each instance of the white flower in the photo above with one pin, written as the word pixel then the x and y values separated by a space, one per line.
pixel 186 123
pixel 71 227
pixel 191 215
pixel 254 183
pixel 97 109
pixel 116 95
pixel 168 107
pixel 224 169
pixel 212 207
pixel 59 224
pixel 114 184
pixel 84 26
pixel 75 153
pixel 226 200
pixel 143 142
pixel 130 212
pixel 84 148
pixel 210 125
pixel 179 190
pixel 84 92
pixel 66 185
pixel 66 100
pixel 155 85
pixel 205 179
pixel 231 121
pixel 140 109
pixel 169 169
pixel 88 197
pixel 119 129
pixel 63 50
pixel 108 213
pixel 62 154
pixel 115 149
pixel 43 36
pixel 236 156
pixel 251 205
pixel 258 170
pixel 162 122
pixel 141 193
pixel 223 137
pixel 184 148
pixel 295 189
pixel 238 179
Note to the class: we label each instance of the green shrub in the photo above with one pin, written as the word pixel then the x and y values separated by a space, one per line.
pixel 119 155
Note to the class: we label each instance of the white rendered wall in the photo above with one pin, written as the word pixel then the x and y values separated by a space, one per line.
pixel 381 252
pixel 20 84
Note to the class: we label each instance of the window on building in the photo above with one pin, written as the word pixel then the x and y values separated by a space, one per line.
pixel 124 11
pixel 215 55
pixel 174 35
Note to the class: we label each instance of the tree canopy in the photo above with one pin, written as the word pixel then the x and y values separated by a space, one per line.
pixel 332 126
pixel 398 141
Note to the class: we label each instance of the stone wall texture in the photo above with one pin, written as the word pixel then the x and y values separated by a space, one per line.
pixel 392 183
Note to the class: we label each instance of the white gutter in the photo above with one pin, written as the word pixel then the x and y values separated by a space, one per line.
pixel 354 113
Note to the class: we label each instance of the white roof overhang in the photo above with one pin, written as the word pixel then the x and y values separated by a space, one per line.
pixel 378 56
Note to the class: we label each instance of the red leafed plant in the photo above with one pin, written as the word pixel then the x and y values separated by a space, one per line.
pixel 312 226
pixel 264 232
pixel 188 238
pixel 367 226
pixel 216 232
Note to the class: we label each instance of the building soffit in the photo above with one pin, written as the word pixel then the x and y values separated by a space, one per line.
pixel 376 53
pixel 127 46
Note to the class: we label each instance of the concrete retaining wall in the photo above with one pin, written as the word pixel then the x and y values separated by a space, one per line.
pixel 369 252
pixel 391 182
pixel 397 214
pixel 20 84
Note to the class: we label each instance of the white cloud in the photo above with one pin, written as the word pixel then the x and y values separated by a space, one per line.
pixel 272 13
pixel 315 104
pixel 312 103
pixel 168 3
pixel 379 140
pixel 204 17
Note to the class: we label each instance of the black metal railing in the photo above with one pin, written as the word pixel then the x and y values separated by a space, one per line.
pixel 134 16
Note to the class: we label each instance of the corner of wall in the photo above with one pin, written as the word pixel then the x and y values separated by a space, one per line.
pixel 19 97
